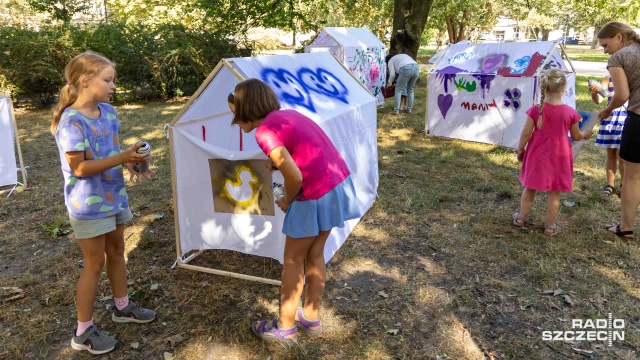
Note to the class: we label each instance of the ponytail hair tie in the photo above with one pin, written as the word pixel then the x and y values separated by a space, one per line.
pixel 557 80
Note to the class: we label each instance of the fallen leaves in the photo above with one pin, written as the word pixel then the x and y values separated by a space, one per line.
pixel 566 297
pixel 12 294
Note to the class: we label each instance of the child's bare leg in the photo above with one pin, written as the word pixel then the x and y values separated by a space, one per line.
pixel 315 276
pixel 611 166
pixel 295 252
pixel 93 255
pixel 526 203
pixel 116 264
pixel 553 207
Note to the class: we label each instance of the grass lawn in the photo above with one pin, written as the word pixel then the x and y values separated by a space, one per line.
pixel 434 270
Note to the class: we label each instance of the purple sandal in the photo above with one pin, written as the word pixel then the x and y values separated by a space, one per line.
pixel 273 332
pixel 306 325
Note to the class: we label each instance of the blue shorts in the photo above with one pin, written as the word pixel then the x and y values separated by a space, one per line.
pixel 308 217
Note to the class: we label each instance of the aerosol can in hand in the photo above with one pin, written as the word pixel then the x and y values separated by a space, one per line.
pixel 278 191
pixel 601 90
pixel 143 167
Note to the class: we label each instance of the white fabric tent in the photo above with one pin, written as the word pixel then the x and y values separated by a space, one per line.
pixel 206 151
pixel 480 92
pixel 9 146
pixel 360 51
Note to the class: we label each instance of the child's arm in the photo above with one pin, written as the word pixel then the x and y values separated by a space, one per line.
pixel 621 93
pixel 594 90
pixel 524 137
pixel 578 135
pixel 292 176
pixel 81 166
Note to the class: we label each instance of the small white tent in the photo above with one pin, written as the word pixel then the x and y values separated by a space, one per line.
pixel 221 186
pixel 480 92
pixel 9 146
pixel 360 51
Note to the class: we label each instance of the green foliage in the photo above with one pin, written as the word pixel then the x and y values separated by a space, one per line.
pixel 165 61
pixel 58 227
pixel 62 10
pixel 33 61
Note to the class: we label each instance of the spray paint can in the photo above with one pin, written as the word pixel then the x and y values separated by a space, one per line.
pixel 601 90
pixel 143 167
pixel 278 191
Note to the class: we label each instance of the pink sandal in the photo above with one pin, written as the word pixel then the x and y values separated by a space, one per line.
pixel 273 332
pixel 306 325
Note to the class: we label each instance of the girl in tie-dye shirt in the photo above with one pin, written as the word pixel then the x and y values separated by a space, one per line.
pixel 86 132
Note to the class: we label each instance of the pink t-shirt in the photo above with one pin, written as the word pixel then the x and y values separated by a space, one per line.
pixel 320 163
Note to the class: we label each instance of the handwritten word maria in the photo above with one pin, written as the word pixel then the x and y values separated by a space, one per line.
pixel 482 107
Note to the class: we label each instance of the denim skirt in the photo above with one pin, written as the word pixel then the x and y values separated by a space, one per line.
pixel 308 217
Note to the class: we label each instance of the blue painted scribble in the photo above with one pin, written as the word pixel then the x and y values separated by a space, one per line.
pixel 520 65
pixel 296 89
pixel 460 57
pixel 288 88
pixel 323 82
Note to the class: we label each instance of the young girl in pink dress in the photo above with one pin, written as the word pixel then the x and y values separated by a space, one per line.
pixel 318 196
pixel 547 163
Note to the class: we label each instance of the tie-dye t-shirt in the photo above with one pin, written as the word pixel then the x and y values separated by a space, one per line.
pixel 100 195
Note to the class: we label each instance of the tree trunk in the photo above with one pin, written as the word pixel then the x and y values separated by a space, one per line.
pixel 451 29
pixel 596 30
pixel 409 19
pixel 462 30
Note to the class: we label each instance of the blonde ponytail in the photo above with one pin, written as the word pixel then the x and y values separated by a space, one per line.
pixel 66 98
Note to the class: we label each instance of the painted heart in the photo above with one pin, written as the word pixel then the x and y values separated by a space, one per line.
pixel 492 62
pixel 444 103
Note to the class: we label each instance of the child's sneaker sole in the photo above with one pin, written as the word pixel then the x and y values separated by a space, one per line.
pixel 82 347
pixel 119 319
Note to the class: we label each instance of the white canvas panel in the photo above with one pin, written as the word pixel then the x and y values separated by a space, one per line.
pixel 324 39
pixel 8 169
pixel 219 132
pixel 367 65
pixel 313 84
pixel 462 107
pixel 201 228
pixel 212 104
pixel 494 58
pixel 359 37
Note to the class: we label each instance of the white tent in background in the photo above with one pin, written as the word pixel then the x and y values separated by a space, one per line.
pixel 360 51
pixel 480 92
pixel 9 146
pixel 221 185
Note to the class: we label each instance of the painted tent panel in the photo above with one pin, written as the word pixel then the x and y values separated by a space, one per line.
pixel 8 169
pixel 506 59
pixel 482 108
pixel 360 51
pixel 220 191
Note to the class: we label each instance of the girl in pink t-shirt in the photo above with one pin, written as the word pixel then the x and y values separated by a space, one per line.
pixel 318 196
pixel 547 163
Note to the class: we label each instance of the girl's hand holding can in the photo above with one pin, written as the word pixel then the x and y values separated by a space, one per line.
pixel 282 204
pixel 135 158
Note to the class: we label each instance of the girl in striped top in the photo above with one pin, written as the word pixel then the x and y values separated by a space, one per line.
pixel 609 135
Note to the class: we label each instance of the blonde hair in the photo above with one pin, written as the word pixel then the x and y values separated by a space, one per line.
pixel 253 100
pixel 87 65
pixel 613 28
pixel 553 81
